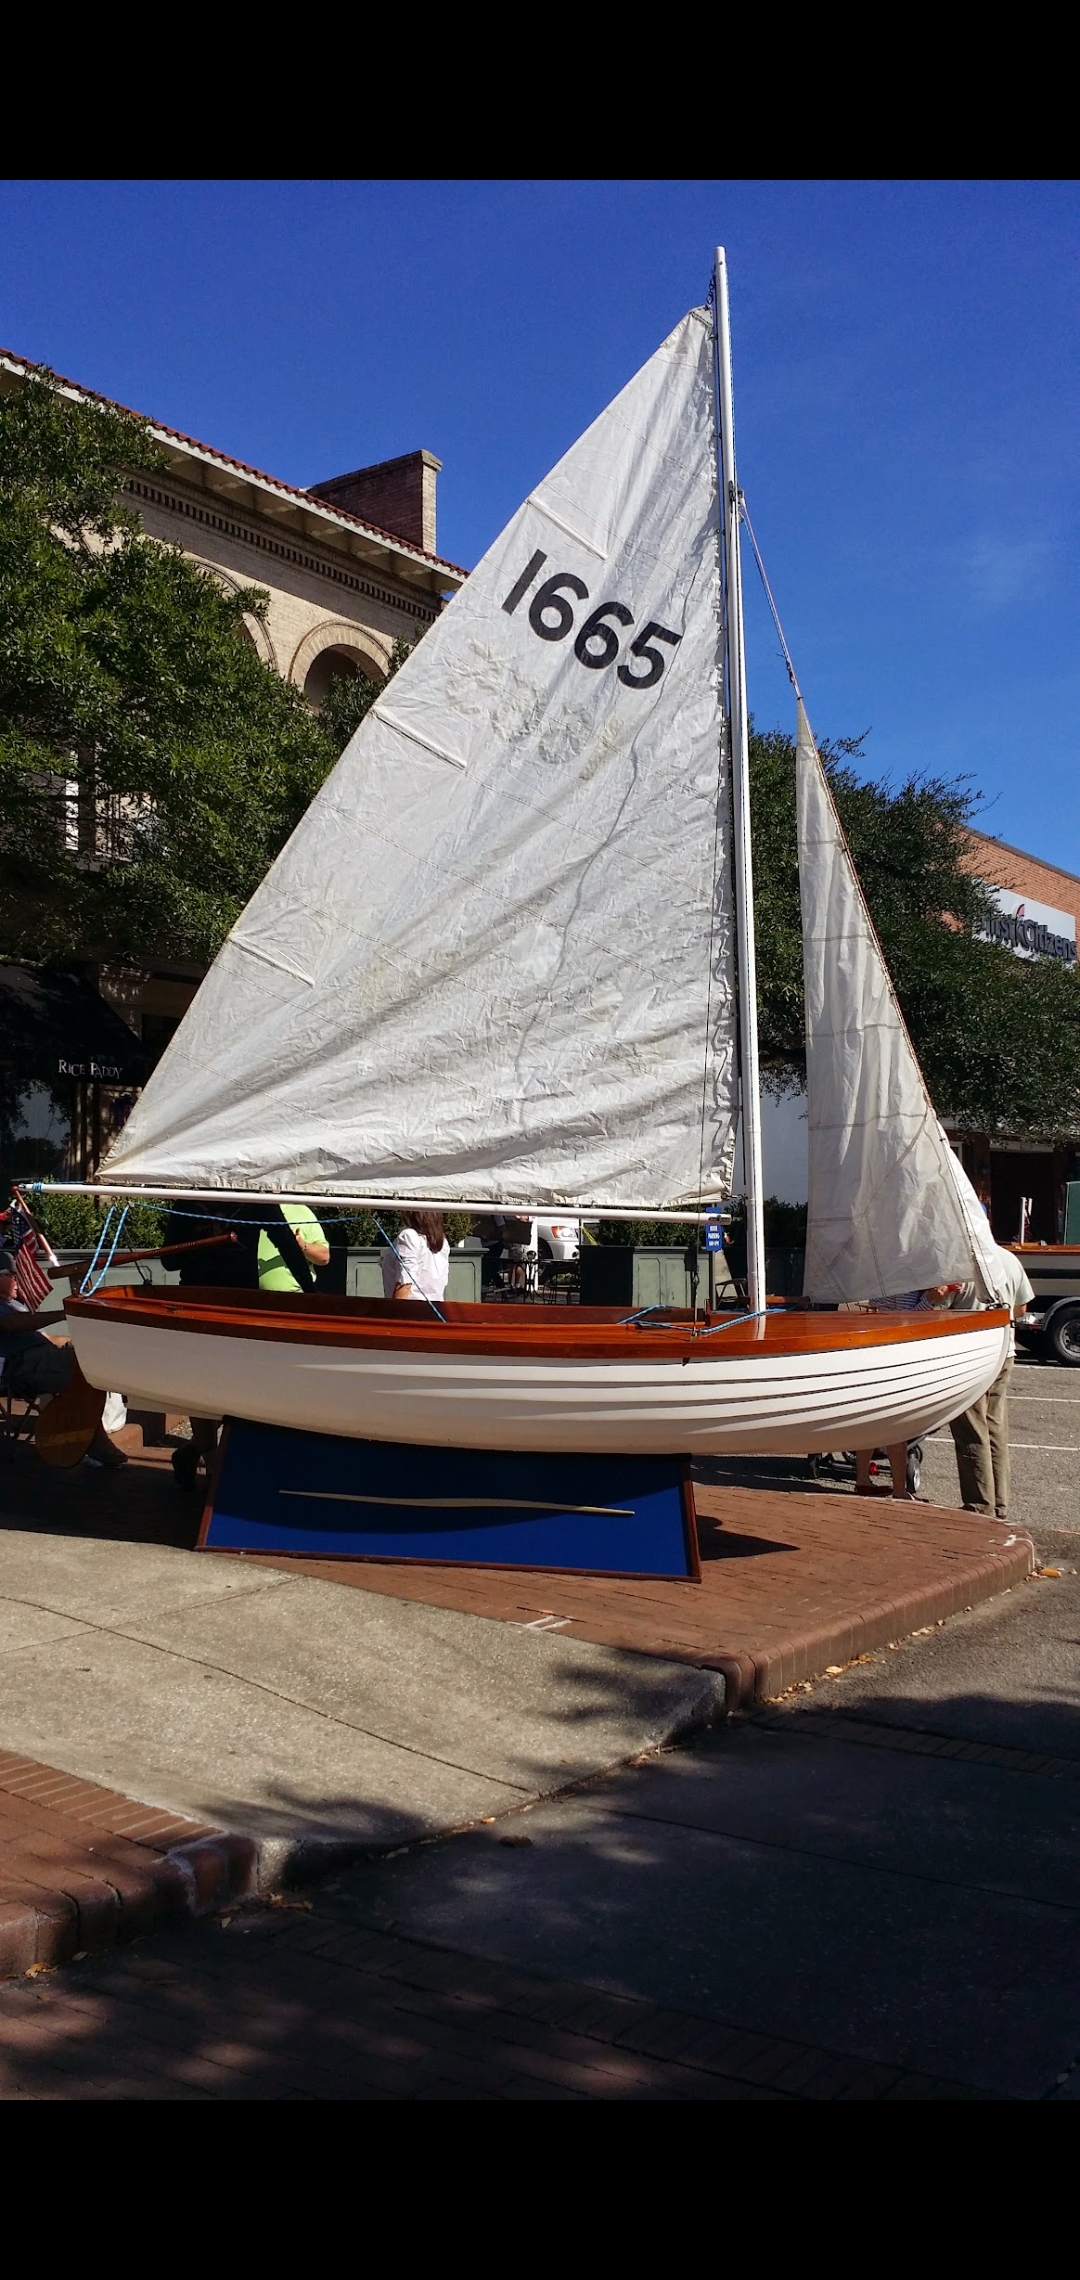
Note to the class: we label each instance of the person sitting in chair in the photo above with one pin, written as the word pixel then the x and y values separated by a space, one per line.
pixel 35 1367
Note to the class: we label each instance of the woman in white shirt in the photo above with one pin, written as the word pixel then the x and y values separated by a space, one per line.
pixel 419 1263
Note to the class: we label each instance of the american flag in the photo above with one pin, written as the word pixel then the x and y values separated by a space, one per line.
pixel 30 1282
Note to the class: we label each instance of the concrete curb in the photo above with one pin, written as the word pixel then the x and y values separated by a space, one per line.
pixel 64 1900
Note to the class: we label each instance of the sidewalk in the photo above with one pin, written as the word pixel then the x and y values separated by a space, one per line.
pixel 228 1726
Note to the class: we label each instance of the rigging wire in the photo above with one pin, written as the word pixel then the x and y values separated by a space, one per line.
pixel 744 518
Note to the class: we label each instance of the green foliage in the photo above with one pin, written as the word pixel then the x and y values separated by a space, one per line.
pixel 647 1233
pixel 785 1224
pixel 998 1037
pixel 75 1222
pixel 136 717
pixel 362 1227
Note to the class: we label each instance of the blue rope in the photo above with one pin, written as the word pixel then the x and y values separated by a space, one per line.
pixel 707 1332
pixel 100 1243
pixel 87 1287
pixel 405 1275
pixel 759 1316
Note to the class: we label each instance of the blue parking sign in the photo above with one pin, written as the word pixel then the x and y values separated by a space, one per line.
pixel 714 1232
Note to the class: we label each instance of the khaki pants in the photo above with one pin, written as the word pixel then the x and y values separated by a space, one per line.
pixel 982 1449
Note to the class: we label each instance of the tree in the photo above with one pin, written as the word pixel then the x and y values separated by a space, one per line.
pixel 998 1036
pixel 151 766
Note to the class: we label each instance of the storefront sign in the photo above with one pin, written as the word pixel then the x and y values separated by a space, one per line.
pixel 1032 929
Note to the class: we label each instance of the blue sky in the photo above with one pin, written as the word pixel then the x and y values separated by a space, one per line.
pixel 907 381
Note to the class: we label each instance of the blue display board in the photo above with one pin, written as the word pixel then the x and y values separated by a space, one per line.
pixel 328 1498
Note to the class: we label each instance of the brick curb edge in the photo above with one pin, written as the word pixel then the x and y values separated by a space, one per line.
pixel 752 1678
pixel 49 1918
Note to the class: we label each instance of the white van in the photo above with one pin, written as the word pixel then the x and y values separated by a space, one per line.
pixel 558 1239
pixel 551 1241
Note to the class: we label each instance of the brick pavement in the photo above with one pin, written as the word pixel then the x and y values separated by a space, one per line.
pixel 311 2002
pixel 81 1867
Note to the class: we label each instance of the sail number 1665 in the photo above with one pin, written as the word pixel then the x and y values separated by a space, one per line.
pixel 551 616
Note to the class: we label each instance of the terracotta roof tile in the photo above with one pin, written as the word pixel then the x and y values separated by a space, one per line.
pixel 226 459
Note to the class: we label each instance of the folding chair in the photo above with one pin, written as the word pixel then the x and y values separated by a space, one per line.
pixel 17 1421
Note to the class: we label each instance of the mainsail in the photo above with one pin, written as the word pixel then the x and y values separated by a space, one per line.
pixel 888 1212
pixel 494 961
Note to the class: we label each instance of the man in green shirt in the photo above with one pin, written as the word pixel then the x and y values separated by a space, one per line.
pixel 274 1271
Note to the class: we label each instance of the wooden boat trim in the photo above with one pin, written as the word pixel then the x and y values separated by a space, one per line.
pixel 515 1332
pixel 1038 1251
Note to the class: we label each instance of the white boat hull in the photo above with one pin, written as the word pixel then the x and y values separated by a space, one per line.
pixel 713 1404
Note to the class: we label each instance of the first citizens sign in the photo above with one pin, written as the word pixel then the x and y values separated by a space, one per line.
pixel 1032 929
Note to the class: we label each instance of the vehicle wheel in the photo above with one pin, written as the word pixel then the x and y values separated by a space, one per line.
pixel 544 1250
pixel 1063 1336
pixel 914 1470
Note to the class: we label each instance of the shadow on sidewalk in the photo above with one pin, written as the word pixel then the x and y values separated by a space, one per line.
pixel 140 1505
pixel 840 1882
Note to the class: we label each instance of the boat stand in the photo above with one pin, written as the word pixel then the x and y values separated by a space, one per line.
pixel 319 1496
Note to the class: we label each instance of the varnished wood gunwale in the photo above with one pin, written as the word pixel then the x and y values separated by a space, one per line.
pixel 512 1333
pixel 1045 1250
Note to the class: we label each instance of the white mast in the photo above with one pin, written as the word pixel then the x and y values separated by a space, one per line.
pixel 740 783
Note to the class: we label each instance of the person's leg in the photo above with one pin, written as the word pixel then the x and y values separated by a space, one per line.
pixel 897 1456
pixel 46 1370
pixel 974 1463
pixel 864 1478
pixel 40 1372
pixel 997 1426
pixel 200 1448
pixel 103 1451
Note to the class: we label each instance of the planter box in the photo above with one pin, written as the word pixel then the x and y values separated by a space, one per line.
pixel 614 1274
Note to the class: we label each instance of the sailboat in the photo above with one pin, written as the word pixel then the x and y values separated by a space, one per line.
pixel 506 962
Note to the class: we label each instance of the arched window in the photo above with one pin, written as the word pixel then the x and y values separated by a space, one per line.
pixel 330 665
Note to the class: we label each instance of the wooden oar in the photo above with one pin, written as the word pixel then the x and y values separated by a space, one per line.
pixel 65 1429
pixel 164 1251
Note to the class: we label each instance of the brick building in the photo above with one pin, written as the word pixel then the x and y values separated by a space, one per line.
pixel 350 566
pixel 1040 917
